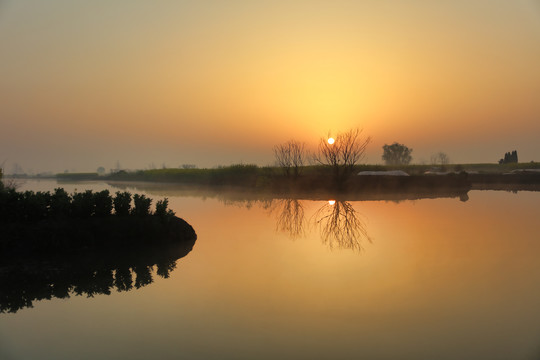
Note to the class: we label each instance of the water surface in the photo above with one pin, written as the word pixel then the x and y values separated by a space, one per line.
pixel 282 278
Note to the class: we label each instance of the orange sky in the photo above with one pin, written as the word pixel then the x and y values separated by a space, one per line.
pixel 220 82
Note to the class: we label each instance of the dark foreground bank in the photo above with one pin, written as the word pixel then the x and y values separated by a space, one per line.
pixel 93 256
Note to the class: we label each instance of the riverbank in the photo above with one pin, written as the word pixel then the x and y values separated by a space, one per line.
pixel 317 179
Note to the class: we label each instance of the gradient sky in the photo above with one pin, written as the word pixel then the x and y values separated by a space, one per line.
pixel 89 83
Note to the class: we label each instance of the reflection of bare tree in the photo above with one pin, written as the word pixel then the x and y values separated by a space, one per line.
pixel 341 226
pixel 290 216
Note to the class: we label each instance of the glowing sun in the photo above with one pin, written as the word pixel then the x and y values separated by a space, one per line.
pixel 331 141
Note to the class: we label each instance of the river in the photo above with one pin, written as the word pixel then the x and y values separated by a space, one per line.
pixel 312 279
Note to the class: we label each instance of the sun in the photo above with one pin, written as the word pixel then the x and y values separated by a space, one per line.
pixel 331 141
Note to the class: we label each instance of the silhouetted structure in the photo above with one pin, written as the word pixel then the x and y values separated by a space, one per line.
pixel 509 158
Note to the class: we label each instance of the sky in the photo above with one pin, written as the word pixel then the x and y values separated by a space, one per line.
pixel 145 84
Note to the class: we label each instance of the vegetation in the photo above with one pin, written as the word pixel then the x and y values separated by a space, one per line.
pixel 78 176
pixel 290 156
pixel 36 206
pixel 87 257
pixel 440 158
pixel 396 154
pixel 311 178
pixel 332 168
pixel 343 154
pixel 509 158
pixel 61 238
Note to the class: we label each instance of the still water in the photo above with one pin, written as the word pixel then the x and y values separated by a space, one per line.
pixel 313 279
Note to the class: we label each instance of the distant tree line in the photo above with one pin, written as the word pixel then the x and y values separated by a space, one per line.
pixel 509 158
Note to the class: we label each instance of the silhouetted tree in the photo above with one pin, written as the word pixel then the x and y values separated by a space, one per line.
pixel 142 205
pixel 35 206
pixel 396 154
pixel 162 211
pixel 440 158
pixel 509 158
pixel 82 204
pixel 343 154
pixel 60 203
pixel 122 203
pixel 290 156
pixel 103 203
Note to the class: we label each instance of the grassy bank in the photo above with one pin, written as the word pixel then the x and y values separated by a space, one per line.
pixel 314 178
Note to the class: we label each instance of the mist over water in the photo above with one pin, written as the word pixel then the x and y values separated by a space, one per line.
pixel 292 278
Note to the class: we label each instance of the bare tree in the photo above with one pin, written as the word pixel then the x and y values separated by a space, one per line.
pixel 290 156
pixel 440 158
pixel 343 153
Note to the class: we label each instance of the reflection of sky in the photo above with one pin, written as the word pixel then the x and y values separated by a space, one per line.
pixel 442 279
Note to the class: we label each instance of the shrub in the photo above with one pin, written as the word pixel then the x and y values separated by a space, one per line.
pixel 122 203
pixel 11 205
pixel 161 209
pixel 82 204
pixel 103 203
pixel 60 203
pixel 142 205
pixel 36 205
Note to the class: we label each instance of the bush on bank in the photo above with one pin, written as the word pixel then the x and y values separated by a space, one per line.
pixel 36 206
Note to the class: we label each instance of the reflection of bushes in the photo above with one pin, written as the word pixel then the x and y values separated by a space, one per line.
pixel 96 271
